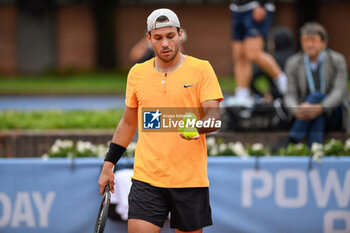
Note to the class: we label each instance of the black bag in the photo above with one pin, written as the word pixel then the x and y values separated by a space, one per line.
pixel 260 117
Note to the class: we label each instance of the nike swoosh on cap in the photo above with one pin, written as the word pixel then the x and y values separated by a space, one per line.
pixel 185 86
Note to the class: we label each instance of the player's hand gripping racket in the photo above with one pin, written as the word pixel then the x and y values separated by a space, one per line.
pixel 102 213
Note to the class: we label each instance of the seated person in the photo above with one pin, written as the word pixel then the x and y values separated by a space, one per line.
pixel 317 86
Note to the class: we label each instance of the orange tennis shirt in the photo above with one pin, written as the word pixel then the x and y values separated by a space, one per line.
pixel 164 159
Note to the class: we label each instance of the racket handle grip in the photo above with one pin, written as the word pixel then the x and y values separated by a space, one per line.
pixel 107 189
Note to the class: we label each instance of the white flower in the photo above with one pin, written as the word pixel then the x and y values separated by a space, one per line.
pixel 45 157
pixel 222 147
pixel 83 146
pixel 330 144
pixel 80 146
pixel 131 149
pixel 315 147
pixel 257 146
pixel 299 146
pixel 58 142
pixel 239 150
pixel 211 141
pixel 55 149
pixel 317 156
pixel 327 147
pixel 214 150
pixel 63 143
pixel 132 146
pixel 347 144
pixel 67 144
pixel 231 145
pixel 101 150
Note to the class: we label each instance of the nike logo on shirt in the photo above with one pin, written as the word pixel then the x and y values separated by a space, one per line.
pixel 185 86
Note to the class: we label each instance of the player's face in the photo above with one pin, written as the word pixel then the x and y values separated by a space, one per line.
pixel 312 45
pixel 165 42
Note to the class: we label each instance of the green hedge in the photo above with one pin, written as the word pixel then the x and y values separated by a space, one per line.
pixel 60 119
pixel 95 83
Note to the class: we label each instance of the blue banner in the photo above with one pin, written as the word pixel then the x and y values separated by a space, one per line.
pixel 283 195
pixel 278 194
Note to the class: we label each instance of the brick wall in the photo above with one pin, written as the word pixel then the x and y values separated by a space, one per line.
pixel 8 35
pixel 207 26
pixel 75 37
pixel 338 27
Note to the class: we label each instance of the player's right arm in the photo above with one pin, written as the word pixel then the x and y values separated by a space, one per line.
pixel 122 137
pixel 126 128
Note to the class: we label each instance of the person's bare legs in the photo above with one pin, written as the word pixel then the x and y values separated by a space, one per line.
pixel 253 49
pixel 141 226
pixel 242 70
pixel 197 231
pixel 241 65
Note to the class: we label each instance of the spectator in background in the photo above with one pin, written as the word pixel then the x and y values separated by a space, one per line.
pixel 143 50
pixel 250 23
pixel 317 86
pixel 280 45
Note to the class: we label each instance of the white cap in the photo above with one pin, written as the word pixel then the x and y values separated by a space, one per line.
pixel 173 19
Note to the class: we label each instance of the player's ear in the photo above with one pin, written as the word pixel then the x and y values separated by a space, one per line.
pixel 180 34
pixel 148 35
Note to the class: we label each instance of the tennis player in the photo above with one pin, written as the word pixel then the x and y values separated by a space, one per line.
pixel 170 171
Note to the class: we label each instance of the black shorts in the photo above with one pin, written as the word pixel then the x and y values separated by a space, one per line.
pixel 189 207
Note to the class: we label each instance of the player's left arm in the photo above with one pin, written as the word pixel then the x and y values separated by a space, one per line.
pixel 211 112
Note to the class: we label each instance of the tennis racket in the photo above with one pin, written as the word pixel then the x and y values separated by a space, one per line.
pixel 102 213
